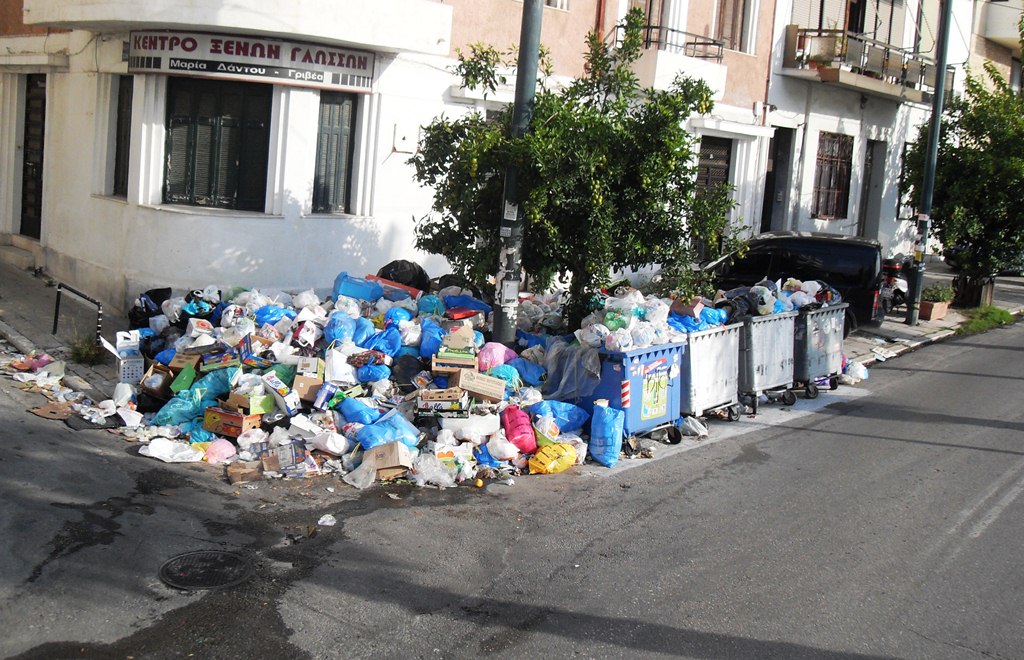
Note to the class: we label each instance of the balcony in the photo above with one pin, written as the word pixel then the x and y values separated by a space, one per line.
pixel 853 62
pixel 669 52
pixel 396 26
pixel 1000 24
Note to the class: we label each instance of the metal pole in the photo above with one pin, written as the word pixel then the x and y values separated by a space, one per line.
pixel 511 228
pixel 931 158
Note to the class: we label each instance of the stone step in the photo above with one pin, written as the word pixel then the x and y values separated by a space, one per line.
pixel 17 257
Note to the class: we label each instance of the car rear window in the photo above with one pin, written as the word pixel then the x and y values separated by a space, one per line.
pixel 839 265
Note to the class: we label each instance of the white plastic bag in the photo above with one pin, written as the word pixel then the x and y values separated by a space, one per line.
pixel 500 448
pixel 306 298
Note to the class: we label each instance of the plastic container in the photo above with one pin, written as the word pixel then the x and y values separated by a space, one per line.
pixel 643 383
pixel 766 358
pixel 818 347
pixel 710 372
pixel 357 287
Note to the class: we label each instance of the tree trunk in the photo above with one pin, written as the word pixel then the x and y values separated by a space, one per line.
pixel 973 291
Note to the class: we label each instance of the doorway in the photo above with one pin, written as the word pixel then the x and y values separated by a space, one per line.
pixel 32 167
pixel 776 181
pixel 872 184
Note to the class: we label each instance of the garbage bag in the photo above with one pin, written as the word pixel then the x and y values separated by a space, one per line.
pixel 468 302
pixel 389 428
pixel 355 410
pixel 430 304
pixel 339 328
pixel 553 459
pixel 513 382
pixel 387 341
pixel 533 374
pixel 427 469
pixel 494 354
pixel 518 429
pixel 183 407
pixel 501 448
pixel 372 373
pixel 396 315
pixel 574 371
pixel 407 273
pixel 569 417
pixel 484 458
pixel 271 314
pixel 606 434
pixel 430 338
pixel 219 451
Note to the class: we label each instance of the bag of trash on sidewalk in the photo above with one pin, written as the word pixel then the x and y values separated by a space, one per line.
pixel 553 459
pixel 606 434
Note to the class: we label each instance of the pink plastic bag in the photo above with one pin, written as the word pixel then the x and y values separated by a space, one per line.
pixel 494 354
pixel 219 451
pixel 518 429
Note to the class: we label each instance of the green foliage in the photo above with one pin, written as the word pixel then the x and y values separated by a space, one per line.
pixel 937 293
pixel 86 350
pixel 979 173
pixel 605 177
pixel 981 319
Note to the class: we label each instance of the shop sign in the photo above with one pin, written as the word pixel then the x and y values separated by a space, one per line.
pixel 250 58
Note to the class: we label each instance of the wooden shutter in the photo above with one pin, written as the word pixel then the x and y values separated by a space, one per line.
pixel 254 150
pixel 334 152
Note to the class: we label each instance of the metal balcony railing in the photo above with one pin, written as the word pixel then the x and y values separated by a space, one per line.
pixel 677 41
pixel 864 56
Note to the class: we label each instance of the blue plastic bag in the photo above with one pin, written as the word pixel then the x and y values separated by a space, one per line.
pixel 387 341
pixel 363 330
pixel 272 314
pixel 339 328
pixel 714 316
pixel 687 323
pixel 430 304
pixel 396 315
pixel 372 373
pixel 469 302
pixel 165 356
pixel 606 435
pixel 355 410
pixel 533 374
pixel 513 381
pixel 389 428
pixel 183 407
pixel 569 417
pixel 431 336
pixel 484 458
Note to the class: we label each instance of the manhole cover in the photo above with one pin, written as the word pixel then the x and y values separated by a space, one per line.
pixel 205 569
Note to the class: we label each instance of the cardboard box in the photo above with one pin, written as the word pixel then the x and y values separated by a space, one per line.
pixel 309 378
pixel 478 385
pixel 157 382
pixel 241 471
pixel 287 400
pixel 212 361
pixel 184 379
pixel 182 360
pixel 131 365
pixel 229 423
pixel 256 404
pixel 451 402
pixel 250 349
pixel 392 459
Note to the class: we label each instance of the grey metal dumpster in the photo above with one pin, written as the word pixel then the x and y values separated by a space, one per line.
pixel 710 372
pixel 818 347
pixel 766 359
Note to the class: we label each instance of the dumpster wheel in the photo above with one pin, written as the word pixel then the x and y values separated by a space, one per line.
pixel 833 383
pixel 734 411
pixel 811 391
pixel 789 396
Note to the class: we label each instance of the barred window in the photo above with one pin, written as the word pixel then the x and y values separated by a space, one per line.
pixel 832 176
pixel 558 4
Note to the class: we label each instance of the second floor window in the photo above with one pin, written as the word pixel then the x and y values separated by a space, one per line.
pixel 732 24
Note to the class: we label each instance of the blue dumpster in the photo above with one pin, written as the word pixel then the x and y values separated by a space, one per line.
pixel 644 383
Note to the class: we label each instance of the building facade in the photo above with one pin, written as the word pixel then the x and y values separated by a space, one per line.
pixel 265 144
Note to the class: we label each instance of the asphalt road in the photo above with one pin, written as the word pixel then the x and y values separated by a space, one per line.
pixel 881 525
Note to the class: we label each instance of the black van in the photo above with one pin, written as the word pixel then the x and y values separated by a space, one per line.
pixel 850 264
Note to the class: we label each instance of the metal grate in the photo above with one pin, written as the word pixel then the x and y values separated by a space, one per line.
pixel 205 569
pixel 832 177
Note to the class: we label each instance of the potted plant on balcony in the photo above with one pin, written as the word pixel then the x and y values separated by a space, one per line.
pixel 935 301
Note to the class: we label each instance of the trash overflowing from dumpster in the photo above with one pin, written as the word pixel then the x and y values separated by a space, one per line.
pixel 388 379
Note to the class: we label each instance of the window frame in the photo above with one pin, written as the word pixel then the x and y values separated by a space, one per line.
pixel 122 134
pixel 325 198
pixel 833 171
pixel 199 119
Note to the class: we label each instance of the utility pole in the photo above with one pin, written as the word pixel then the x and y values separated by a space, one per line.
pixel 511 228
pixel 931 158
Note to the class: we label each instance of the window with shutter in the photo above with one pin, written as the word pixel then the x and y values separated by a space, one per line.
pixel 832 176
pixel 217 143
pixel 331 183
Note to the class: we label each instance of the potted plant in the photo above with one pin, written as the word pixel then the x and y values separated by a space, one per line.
pixel 935 301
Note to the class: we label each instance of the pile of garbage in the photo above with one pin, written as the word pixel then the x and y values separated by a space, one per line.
pixel 389 378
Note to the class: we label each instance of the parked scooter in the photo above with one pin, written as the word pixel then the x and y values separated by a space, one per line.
pixel 895 288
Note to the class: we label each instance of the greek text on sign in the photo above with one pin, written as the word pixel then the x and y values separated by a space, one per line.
pixel 250 58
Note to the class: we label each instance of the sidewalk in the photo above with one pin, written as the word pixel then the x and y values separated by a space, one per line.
pixel 27 317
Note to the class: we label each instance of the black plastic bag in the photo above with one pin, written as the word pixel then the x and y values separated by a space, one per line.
pixel 407 273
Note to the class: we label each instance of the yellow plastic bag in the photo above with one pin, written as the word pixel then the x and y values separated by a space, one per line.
pixel 552 459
